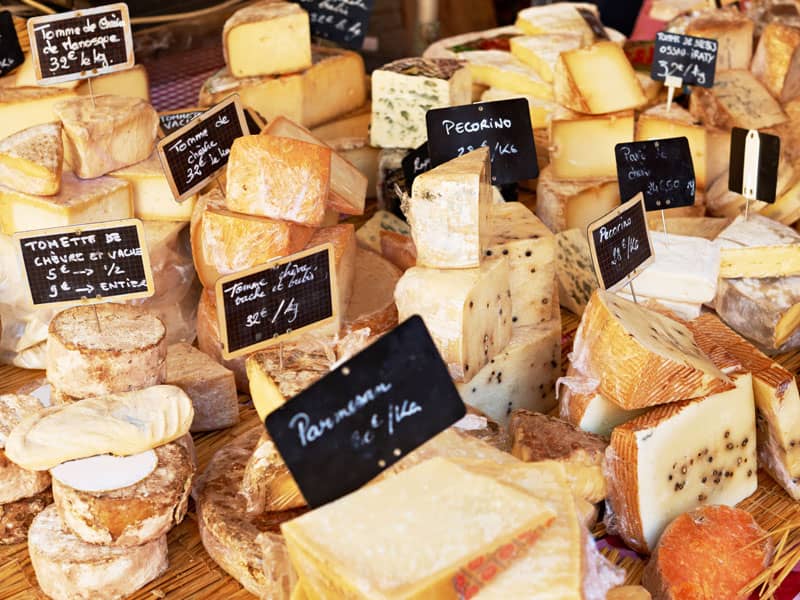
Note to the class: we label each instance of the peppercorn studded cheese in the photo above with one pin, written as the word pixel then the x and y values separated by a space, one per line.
pixel 574 270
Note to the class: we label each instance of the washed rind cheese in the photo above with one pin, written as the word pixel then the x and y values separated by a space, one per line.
pixel 733 32
pixel 585 77
pixel 279 178
pixel 17 483
pixel 343 239
pixel 653 478
pixel 566 204
pixel 78 201
pixel 398 249
pixel 104 349
pixel 67 568
pixel 466 311
pixel 499 69
pixel 31 160
pixel 574 270
pixel 225 242
pixel 541 52
pixel 25 107
pixel 133 515
pixel 267 38
pixel 16 517
pixel 105 133
pixel 449 211
pixel 776 62
pixel 737 99
pixel 639 357
pixel 211 387
pixel 153 199
pixel 372 304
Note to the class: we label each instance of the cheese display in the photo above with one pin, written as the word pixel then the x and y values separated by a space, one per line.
pixel 105 133
pixel 278 30
pixel 404 90
pixel 573 204
pixel 31 160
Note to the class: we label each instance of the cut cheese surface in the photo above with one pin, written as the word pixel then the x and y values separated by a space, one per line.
pixel 540 109
pixel 541 52
pixel 583 147
pixel 78 201
pixel 733 32
pixel 152 197
pixel 31 160
pixel 560 17
pixel 573 204
pixel 574 270
pixel 496 68
pixel 776 62
pixel 132 83
pixel 105 472
pixel 25 107
pixel 760 261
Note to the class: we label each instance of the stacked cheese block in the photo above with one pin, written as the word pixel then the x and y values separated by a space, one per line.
pixel 484 283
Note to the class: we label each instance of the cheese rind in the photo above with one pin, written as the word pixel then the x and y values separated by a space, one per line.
pixel 466 311
pixel 582 148
pixel 733 32
pixel 573 204
pixel 560 17
pixel 776 62
pixel 31 160
pixel 343 239
pixel 153 199
pixel 541 52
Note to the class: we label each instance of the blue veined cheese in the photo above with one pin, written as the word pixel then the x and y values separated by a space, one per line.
pixel 369 234
pixel 404 90
pixel 496 68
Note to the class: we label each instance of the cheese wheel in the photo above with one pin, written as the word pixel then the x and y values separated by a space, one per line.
pixel 16 517
pixel 134 515
pixel 17 483
pixel 68 568
pixel 267 484
pixel 104 349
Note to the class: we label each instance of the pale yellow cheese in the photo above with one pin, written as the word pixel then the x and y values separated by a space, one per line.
pixel 583 147
pixel 153 199
pixel 496 68
pixel 541 52
pixel 132 83
pixel 25 76
pixel 567 204
pixel 31 160
pixel 541 110
pixel 21 108
pixel 560 17
pixel 78 201
pixel 760 261
pixel 776 62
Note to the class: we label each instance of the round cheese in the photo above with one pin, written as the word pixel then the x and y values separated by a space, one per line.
pixel 16 517
pixel 105 472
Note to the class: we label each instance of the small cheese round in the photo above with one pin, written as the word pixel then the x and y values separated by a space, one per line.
pixel 104 349
pixel 136 514
pixel 16 517
pixel 68 568
pixel 105 472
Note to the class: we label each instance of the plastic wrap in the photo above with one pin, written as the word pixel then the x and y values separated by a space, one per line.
pixel 477 425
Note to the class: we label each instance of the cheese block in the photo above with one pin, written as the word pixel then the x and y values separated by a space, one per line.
pixel 210 343
pixel 679 310
pixel 343 239
pixel 267 483
pixel 398 249
pixel 335 75
pixel 466 311
pixel 279 178
pixel 67 568
pixel 496 68
pixel 131 83
pixel 31 160
pixel 560 17
pixel 733 32
pixel 737 99
pixel 639 357
pixel 417 525
pixel 786 209
pixel 16 517
pixel 104 349
pixel 348 187
pixel 760 261
pixel 449 212
pixel 210 386
pixel 354 124
pixel 522 375
pixel 537 437
pixel 17 483
pixel 404 90
pixel 105 133
pixel 372 304
pixel 368 235
pixel 776 62
pixel 583 147
pixel 574 270
pixel 709 552
pixel 25 107
pixel 226 242
pixel 653 478
pixel 267 38
pixel 77 201
pixel 153 199
pixel 658 123
pixel 756 231
pixel 573 204
pixel 362 156
pixel 515 232
pixel 584 77
pixel 246 545
pixel 121 424
pixel 25 76
pixel 541 52
pixel 540 109
pixel 707 228
pixel 132 515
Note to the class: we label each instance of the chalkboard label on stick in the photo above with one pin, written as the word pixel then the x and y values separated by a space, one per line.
pixel 620 244
pixel 692 60
pixel 594 23
pixel 754 162
pixel 343 22
pixel 415 163
pixel 366 415
pixel 11 55
pixel 268 304
pixel 81 43
pixel 195 153
pixel 661 169
pixel 86 263
pixel 503 126
pixel 170 121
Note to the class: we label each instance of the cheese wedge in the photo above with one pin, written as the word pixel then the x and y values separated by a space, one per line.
pixel 564 204
pixel 495 68
pixel 541 52
pixel 541 110
pixel 267 38
pixel 733 32
pixel 776 62
pixel 585 77
pixel 31 160
pixel 560 17
pixel 78 201
pixel 132 83
pixel 368 235
pixel 153 199
pixel 21 108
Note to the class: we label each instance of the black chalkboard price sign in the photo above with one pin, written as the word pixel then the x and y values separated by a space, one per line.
pixel 689 60
pixel 343 22
pixel 594 23
pixel 661 169
pixel 415 163
pixel 754 162
pixel 504 126
pixel 367 414
pixel 11 55
pixel 265 305
pixel 195 153
pixel 81 43
pixel 620 244
pixel 170 121
pixel 86 263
